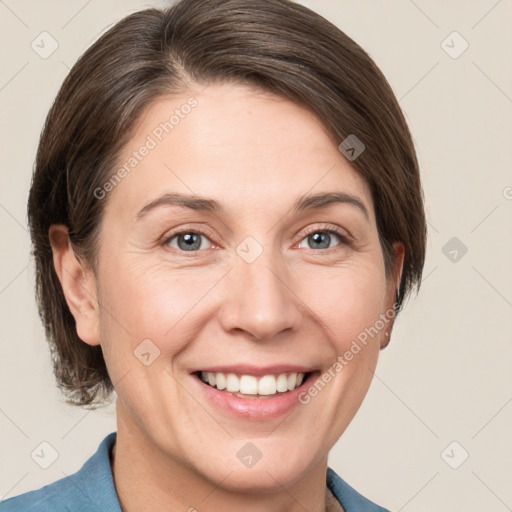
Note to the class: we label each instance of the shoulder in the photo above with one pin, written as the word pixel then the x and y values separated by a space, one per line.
pixel 57 496
pixel 351 500
pixel 90 488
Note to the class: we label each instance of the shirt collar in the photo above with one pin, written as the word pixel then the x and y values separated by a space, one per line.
pixel 97 479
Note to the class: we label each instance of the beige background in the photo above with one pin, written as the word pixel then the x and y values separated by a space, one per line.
pixel 446 375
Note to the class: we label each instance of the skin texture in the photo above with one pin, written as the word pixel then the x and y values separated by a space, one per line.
pixel 256 154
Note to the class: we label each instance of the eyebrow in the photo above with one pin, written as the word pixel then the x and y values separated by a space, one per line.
pixel 306 202
pixel 185 201
pixel 325 199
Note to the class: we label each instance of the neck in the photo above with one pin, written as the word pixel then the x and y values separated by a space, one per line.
pixel 148 479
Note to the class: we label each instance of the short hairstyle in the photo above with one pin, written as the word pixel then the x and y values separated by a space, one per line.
pixel 276 46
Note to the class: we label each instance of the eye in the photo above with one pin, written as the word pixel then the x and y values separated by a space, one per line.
pixel 187 241
pixel 318 238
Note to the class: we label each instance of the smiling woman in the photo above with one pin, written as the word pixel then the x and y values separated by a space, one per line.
pixel 224 265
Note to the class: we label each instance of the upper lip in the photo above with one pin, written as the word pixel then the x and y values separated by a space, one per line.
pixel 247 369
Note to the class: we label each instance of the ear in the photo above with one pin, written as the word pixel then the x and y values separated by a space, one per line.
pixel 78 285
pixel 392 287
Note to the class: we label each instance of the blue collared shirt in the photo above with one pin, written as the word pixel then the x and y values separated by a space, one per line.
pixel 91 489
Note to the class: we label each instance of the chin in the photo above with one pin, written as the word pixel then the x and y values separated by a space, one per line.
pixel 261 466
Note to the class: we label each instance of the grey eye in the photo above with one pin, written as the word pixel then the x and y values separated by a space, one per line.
pixel 187 241
pixel 320 239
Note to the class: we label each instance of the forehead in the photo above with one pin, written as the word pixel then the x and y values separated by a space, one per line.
pixel 239 145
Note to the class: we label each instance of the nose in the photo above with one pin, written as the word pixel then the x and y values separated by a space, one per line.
pixel 260 300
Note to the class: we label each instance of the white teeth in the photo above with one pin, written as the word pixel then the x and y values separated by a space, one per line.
pixel 282 383
pixel 267 385
pixel 221 381
pixel 292 381
pixel 232 383
pixel 251 385
pixel 248 385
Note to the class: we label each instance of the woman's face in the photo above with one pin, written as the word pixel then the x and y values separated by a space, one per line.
pixel 236 279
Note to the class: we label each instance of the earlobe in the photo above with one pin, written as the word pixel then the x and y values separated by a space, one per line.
pixel 78 285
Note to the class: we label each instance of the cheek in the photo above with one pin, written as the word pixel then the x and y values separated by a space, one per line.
pixel 163 305
pixel 347 300
pixel 146 313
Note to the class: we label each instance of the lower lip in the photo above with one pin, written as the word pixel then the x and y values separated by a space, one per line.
pixel 265 408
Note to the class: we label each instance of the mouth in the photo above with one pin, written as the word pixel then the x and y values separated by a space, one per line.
pixel 248 386
pixel 251 392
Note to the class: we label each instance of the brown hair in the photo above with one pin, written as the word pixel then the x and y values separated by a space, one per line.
pixel 278 46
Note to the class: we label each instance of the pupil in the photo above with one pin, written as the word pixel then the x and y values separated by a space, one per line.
pixel 192 241
pixel 319 237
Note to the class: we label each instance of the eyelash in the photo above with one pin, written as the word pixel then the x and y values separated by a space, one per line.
pixel 324 228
